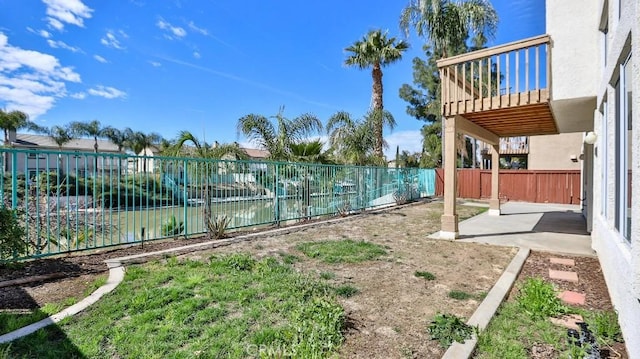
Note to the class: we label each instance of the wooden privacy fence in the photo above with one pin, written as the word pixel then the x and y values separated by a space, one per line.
pixel 548 186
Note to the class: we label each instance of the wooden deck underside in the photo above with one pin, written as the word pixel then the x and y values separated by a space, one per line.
pixel 521 114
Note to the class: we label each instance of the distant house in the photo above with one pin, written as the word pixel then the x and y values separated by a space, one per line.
pixel 74 157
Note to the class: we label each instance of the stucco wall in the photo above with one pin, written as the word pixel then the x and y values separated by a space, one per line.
pixel 554 152
pixel 571 22
pixel 620 260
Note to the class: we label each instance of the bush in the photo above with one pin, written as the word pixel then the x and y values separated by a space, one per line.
pixel 448 328
pixel 11 234
pixel 539 299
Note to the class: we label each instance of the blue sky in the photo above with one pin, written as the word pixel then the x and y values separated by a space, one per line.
pixel 199 65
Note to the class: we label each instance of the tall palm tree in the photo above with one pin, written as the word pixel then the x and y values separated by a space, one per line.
pixel 277 137
pixel 376 51
pixel 91 129
pixel 61 135
pixel 17 120
pixel 120 139
pixel 446 24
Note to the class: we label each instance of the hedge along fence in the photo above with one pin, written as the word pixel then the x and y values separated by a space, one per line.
pixel 72 201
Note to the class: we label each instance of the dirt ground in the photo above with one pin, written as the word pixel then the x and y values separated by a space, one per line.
pixel 387 318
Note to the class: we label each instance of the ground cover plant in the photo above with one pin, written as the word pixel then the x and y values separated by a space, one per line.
pixel 522 327
pixel 386 308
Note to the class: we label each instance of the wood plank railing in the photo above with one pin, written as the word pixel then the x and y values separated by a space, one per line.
pixel 514 74
pixel 509 146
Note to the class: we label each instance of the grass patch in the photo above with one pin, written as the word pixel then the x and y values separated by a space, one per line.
pixel 539 298
pixel 288 258
pixel 232 306
pixel 425 275
pixel 459 295
pixel 327 275
pixel 344 251
pixel 346 291
pixel 12 320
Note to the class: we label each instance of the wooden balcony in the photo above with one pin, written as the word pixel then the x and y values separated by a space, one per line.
pixel 509 146
pixel 504 89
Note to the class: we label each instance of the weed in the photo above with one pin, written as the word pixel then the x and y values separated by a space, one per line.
pixel 425 275
pixel 449 328
pixel 604 325
pixel 172 227
pixel 240 262
pixel 11 234
pixel 346 291
pixel 344 251
pixel 459 295
pixel 539 299
pixel 327 275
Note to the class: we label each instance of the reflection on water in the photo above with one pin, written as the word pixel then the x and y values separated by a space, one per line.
pixel 147 224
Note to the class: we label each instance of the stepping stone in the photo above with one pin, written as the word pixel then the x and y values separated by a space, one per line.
pixel 568 321
pixel 563 261
pixel 563 275
pixel 573 298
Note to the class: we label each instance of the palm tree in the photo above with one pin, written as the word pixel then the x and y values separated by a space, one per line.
pixel 352 141
pixel 204 150
pixel 14 121
pixel 376 51
pixel 446 24
pixel 120 139
pixel 138 141
pixel 277 138
pixel 308 151
pixel 90 129
pixel 61 136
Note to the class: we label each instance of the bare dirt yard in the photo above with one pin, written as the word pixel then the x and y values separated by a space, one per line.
pixel 387 316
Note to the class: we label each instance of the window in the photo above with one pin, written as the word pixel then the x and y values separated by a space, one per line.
pixel 604 32
pixel 624 153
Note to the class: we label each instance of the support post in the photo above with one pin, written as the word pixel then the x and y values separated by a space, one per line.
pixel 494 202
pixel 449 220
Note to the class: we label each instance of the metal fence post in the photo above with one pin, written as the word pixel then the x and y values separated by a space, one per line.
pixel 184 196
pixel 14 180
pixel 276 204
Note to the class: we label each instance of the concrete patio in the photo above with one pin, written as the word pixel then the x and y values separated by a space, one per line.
pixel 546 227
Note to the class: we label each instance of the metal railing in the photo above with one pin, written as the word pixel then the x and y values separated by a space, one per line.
pixel 72 201
pixel 513 74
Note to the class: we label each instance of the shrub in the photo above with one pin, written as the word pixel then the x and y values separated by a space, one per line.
pixel 172 227
pixel 11 234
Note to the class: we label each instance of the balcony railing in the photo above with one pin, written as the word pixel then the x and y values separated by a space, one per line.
pixel 510 146
pixel 509 75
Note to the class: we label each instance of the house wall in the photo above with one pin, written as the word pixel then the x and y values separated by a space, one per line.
pixel 571 22
pixel 555 152
pixel 619 258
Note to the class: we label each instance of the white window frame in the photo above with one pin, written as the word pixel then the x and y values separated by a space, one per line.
pixel 604 158
pixel 622 127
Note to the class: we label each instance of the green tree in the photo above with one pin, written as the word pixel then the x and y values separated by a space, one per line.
pixel 14 121
pixel 376 51
pixel 354 141
pixel 118 137
pixel 446 23
pixel 203 150
pixel 91 129
pixel 308 151
pixel 138 141
pixel 277 136
pixel 61 135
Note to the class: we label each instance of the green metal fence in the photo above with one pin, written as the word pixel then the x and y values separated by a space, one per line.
pixel 71 201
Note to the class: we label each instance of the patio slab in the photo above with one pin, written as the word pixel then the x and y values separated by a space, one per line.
pixel 545 227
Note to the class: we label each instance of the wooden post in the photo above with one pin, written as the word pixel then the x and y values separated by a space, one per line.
pixel 494 202
pixel 449 220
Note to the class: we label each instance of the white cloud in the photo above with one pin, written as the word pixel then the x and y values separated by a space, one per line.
pixel 62 45
pixel 107 92
pixel 197 29
pixel 110 40
pixel 78 95
pixel 410 141
pixel 31 81
pixel 42 33
pixel 100 59
pixel 155 63
pixel 173 31
pixel 197 55
pixel 72 12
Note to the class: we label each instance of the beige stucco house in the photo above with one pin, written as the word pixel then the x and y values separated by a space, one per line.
pixel 580 80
